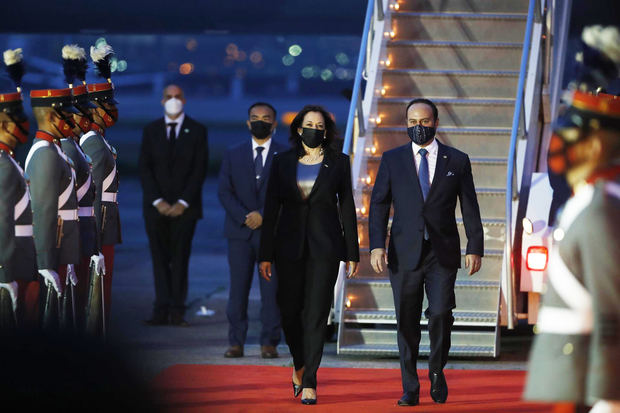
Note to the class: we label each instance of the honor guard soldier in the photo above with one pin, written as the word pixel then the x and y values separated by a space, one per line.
pixel 19 287
pixel 74 67
pixel 576 354
pixel 54 202
pixel 105 174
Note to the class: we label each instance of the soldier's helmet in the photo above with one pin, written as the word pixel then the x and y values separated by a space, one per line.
pixel 11 103
pixel 587 113
pixel 103 92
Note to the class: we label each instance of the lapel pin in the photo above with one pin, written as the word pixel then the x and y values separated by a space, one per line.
pixel 445 156
pixel 186 130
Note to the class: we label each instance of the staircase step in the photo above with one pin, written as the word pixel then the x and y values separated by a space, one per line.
pixel 411 54
pixel 479 113
pixel 473 27
pixel 461 318
pixel 487 172
pixel 465 6
pixel 375 294
pixel 492 142
pixel 490 271
pixel 450 83
pixel 383 342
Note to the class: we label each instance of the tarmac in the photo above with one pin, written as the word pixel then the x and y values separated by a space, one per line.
pixel 153 349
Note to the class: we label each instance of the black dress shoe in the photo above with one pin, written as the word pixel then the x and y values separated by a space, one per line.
pixel 439 387
pixel 178 322
pixel 409 399
pixel 157 321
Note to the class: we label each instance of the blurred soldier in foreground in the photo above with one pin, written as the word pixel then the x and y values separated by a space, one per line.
pixel 19 288
pixel 54 201
pixel 105 179
pixel 74 67
pixel 576 356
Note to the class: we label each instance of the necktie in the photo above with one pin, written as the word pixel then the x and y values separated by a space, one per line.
pixel 258 163
pixel 172 136
pixel 423 176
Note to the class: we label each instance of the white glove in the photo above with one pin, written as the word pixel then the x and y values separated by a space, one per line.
pixel 51 278
pixel 13 288
pixel 99 262
pixel 71 275
pixel 606 406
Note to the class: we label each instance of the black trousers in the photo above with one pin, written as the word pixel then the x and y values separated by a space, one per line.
pixel 305 294
pixel 408 287
pixel 170 241
pixel 242 256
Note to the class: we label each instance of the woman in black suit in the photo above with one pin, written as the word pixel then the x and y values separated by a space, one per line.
pixel 309 227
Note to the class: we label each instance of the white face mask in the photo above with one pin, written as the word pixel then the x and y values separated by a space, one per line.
pixel 173 107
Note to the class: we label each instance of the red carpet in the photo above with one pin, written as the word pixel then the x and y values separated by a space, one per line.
pixel 211 388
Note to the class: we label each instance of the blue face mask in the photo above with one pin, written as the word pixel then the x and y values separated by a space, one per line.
pixel 421 134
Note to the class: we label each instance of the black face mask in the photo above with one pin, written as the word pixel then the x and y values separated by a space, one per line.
pixel 421 134
pixel 312 137
pixel 260 129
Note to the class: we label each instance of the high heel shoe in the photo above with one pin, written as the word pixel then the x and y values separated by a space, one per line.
pixel 296 389
pixel 309 401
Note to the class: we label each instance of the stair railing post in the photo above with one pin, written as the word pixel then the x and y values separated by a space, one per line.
pixel 510 273
pixel 357 85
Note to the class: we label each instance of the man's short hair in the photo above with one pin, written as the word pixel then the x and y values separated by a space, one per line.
pixel 426 102
pixel 263 104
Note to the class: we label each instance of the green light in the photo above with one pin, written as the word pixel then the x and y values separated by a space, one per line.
pixel 342 59
pixel 121 65
pixel 288 60
pixel 114 64
pixel 327 75
pixel 294 50
pixel 307 72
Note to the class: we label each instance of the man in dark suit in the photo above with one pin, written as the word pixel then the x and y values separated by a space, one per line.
pixel 242 188
pixel 423 181
pixel 173 166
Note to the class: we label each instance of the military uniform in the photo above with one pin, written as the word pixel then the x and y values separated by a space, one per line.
pixel 89 239
pixel 54 193
pixel 106 181
pixel 576 354
pixel 17 253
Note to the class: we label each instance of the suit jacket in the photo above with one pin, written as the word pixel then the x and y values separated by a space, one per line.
pixel 183 177
pixel 238 191
pixel 89 240
pixel 17 254
pixel 50 175
pixel 103 157
pixel 325 222
pixel 397 182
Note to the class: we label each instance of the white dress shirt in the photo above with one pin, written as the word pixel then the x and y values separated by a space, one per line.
pixel 265 145
pixel 431 156
pixel 179 122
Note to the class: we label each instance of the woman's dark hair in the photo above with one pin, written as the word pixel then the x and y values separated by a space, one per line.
pixel 331 144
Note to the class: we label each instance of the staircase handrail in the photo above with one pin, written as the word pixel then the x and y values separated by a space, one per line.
pixel 509 273
pixel 356 95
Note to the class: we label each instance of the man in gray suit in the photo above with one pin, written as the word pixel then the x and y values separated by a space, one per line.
pixel 54 199
pixel 19 287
